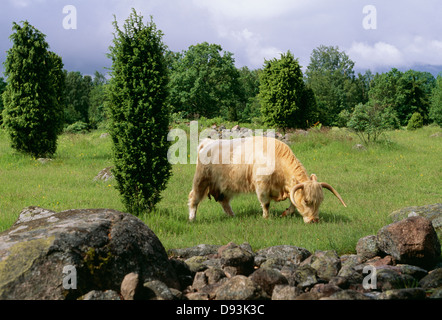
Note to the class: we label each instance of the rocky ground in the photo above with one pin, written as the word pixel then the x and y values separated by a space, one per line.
pixel 105 255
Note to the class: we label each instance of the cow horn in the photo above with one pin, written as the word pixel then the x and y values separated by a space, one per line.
pixel 292 192
pixel 329 187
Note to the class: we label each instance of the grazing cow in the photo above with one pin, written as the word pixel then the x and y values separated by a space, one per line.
pixel 263 165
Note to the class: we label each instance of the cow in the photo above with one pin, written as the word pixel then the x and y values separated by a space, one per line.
pixel 264 165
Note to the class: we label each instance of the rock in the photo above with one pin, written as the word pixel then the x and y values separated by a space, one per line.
pixel 403 294
pixel 130 286
pixel 325 289
pixel 432 280
pixel 285 292
pixel 305 276
pixel 267 279
pixel 367 247
pixel 101 295
pixel 196 263
pixel 410 241
pixel 104 135
pixel 436 293
pixel 239 258
pixel 105 174
pixel 347 295
pixel 239 288
pixel 44 160
pixel 432 212
pixel 290 254
pixel 46 256
pixel 326 263
pixel 390 278
pixel 157 290
pixel 359 147
pixel 199 250
pixel 436 135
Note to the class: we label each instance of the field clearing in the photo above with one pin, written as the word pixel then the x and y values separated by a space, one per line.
pixel 406 171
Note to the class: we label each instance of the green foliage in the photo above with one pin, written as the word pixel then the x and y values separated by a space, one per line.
pixel 369 121
pixel 76 97
pixel 285 101
pixel 416 122
pixel 33 112
pixel 330 75
pixel 2 89
pixel 204 82
pixel 77 127
pixel 98 100
pixel 406 93
pixel 139 114
pixel 436 102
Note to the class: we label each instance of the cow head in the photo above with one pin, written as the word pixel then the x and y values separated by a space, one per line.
pixel 308 196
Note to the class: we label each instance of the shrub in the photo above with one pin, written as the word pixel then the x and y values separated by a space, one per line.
pixel 33 114
pixel 369 121
pixel 77 127
pixel 416 121
pixel 139 116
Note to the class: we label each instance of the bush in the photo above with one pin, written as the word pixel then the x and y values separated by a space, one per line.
pixel 369 121
pixel 139 116
pixel 416 121
pixel 33 113
pixel 77 127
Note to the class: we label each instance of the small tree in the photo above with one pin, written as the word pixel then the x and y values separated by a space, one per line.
pixel 436 102
pixel 33 113
pixel 369 121
pixel 285 101
pixel 416 122
pixel 139 114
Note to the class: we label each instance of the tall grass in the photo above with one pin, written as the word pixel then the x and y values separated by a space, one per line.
pixel 404 170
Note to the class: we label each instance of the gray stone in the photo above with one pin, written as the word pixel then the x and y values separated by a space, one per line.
pixel 432 280
pixel 199 250
pixel 289 254
pixel 100 295
pixel 403 294
pixel 285 292
pixel 268 279
pixel 326 263
pixel 101 245
pixel 367 247
pixel 239 288
pixel 305 276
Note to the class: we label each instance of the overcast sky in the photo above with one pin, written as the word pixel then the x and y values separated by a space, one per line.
pixel 395 33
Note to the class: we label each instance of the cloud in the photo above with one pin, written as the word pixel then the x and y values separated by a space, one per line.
pixel 253 47
pixel 380 54
pixel 407 52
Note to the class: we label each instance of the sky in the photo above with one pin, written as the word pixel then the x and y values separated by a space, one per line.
pixel 377 35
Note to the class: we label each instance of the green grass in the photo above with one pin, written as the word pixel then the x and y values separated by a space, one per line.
pixel 405 171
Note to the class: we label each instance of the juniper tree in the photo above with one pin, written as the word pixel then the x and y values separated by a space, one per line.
pixel 33 113
pixel 139 114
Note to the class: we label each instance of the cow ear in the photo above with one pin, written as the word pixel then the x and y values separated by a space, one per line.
pixel 313 177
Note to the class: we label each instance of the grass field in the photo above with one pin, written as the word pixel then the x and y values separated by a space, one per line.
pixel 405 171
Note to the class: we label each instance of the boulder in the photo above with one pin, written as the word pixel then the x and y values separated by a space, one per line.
pixel 289 254
pixel 410 241
pixel 64 255
pixel 432 212
pixel 268 279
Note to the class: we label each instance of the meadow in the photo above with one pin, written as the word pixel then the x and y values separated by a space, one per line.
pixel 404 169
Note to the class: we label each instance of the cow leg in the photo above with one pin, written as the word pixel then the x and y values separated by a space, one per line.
pixel 226 206
pixel 265 204
pixel 195 197
pixel 289 211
